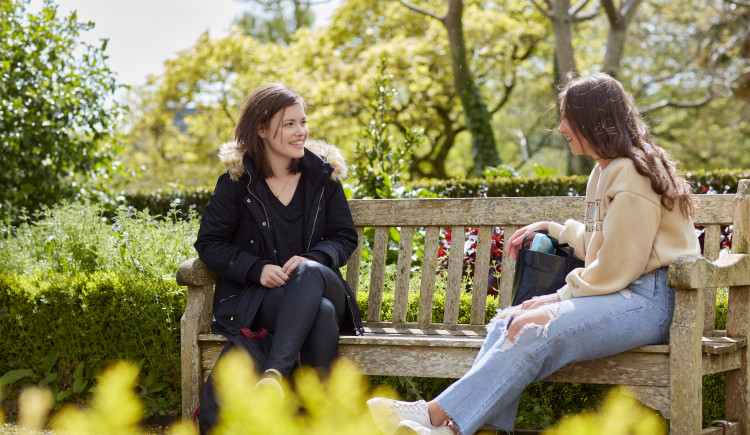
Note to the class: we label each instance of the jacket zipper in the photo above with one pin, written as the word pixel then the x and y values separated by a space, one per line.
pixel 315 220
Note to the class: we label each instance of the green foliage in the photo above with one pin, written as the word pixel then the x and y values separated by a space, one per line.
pixel 60 330
pixel 77 239
pixel 78 291
pixel 620 414
pixel 381 157
pixel 55 117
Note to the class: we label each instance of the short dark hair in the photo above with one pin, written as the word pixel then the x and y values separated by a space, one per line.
pixel 601 111
pixel 261 105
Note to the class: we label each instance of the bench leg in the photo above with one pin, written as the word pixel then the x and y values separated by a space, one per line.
pixel 686 368
pixel 194 320
pixel 738 381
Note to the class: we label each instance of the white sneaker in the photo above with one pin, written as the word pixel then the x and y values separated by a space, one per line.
pixel 407 427
pixel 272 384
pixel 388 413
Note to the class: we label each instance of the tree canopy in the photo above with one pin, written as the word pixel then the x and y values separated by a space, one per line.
pixel 181 117
pixel 55 120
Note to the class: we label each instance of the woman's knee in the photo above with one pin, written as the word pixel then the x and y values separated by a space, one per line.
pixel 539 318
pixel 327 311
pixel 308 269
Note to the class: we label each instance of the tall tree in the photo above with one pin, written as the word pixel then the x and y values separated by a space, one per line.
pixel 276 20
pixel 484 150
pixel 55 120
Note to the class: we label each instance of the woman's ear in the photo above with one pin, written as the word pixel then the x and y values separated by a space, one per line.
pixel 262 133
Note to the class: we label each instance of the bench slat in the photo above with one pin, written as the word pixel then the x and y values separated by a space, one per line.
pixel 403 273
pixel 482 267
pixel 354 263
pixel 429 262
pixel 505 292
pixel 711 248
pixel 377 273
pixel 504 211
pixel 453 286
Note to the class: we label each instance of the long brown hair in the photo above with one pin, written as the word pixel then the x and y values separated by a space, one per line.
pixel 261 105
pixel 600 110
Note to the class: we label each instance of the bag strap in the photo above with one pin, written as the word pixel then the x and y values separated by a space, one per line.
pixel 555 242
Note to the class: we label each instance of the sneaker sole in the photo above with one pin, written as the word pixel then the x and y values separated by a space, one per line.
pixel 381 411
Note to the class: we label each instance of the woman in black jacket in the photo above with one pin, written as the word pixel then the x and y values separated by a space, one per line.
pixel 276 230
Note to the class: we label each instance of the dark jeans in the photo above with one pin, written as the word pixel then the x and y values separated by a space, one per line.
pixel 304 318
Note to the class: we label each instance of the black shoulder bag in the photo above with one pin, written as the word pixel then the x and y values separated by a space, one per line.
pixel 540 274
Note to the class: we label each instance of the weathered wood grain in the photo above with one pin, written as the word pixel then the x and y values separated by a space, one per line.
pixel 429 262
pixel 505 293
pixel 688 273
pixel 194 321
pixel 503 211
pixel 194 272
pixel 685 363
pixel 711 248
pixel 377 273
pixel 354 263
pixel 455 272
pixel 481 278
pixel 403 274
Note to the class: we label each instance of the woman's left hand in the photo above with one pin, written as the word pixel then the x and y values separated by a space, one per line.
pixel 292 264
pixel 539 301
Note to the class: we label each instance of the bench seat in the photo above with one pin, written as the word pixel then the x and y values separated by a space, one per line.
pixel 666 377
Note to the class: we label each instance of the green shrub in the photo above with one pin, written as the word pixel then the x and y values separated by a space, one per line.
pixel 78 290
pixel 60 330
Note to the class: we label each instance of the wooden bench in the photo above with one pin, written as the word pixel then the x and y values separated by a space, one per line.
pixel 667 377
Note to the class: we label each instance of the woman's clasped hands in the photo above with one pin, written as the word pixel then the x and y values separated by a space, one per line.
pixel 276 276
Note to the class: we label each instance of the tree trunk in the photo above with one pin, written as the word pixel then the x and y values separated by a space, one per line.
pixel 484 150
pixel 561 22
pixel 619 20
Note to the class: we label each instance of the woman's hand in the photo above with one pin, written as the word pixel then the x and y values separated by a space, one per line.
pixel 273 276
pixel 539 301
pixel 292 264
pixel 514 244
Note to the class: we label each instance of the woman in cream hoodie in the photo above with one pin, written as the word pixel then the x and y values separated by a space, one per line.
pixel 637 220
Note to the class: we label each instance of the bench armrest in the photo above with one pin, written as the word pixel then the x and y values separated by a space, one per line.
pixel 697 273
pixel 194 272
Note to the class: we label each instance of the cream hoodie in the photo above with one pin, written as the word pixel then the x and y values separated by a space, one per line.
pixel 626 232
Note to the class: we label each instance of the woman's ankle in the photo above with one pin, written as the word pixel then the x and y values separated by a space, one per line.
pixel 438 417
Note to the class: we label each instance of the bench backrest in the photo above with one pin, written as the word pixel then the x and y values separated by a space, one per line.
pixel 428 216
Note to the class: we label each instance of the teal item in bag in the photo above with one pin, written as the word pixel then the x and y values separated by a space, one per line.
pixel 542 243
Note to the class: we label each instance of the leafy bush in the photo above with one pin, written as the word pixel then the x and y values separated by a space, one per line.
pixel 53 121
pixel 78 290
pixel 60 330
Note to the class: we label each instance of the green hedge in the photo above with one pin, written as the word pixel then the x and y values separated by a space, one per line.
pixel 194 200
pixel 62 329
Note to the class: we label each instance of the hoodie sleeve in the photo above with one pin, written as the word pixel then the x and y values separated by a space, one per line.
pixel 219 225
pixel 571 232
pixel 628 231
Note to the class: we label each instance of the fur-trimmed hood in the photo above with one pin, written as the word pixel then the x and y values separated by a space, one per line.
pixel 231 155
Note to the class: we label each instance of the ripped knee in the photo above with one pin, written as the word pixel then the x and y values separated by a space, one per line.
pixel 539 318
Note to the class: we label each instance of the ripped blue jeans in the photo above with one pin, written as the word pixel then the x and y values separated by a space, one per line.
pixel 579 329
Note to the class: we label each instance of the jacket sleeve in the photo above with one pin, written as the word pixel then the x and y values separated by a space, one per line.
pixel 340 237
pixel 628 233
pixel 218 229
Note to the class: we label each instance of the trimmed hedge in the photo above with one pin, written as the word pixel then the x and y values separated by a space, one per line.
pixel 66 328
pixel 194 200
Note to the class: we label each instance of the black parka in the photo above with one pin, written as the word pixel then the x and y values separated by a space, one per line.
pixel 235 232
